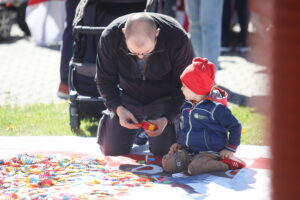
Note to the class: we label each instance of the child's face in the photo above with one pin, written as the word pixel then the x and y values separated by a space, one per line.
pixel 189 94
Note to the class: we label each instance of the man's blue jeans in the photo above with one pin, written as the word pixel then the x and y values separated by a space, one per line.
pixel 205 20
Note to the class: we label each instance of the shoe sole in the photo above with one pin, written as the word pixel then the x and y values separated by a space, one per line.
pixel 62 95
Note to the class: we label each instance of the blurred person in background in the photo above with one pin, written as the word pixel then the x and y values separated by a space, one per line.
pixel 229 43
pixel 66 49
pixel 205 22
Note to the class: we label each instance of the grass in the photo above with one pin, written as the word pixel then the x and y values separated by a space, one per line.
pixel 41 119
pixel 53 120
pixel 253 123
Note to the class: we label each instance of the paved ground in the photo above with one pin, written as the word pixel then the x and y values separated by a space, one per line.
pixel 30 74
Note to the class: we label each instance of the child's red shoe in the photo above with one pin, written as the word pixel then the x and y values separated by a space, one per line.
pixel 234 163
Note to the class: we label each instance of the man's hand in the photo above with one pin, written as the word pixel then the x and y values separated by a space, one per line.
pixel 174 148
pixel 161 123
pixel 126 118
pixel 226 154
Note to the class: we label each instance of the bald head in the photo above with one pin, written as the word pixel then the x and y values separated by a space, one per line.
pixel 140 25
pixel 140 33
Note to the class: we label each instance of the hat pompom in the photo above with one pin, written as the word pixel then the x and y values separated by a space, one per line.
pixel 199 76
pixel 200 62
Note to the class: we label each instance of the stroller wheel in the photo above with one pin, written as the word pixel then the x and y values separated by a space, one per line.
pixel 75 124
pixel 74 118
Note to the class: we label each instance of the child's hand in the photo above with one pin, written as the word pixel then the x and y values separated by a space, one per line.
pixel 174 148
pixel 226 154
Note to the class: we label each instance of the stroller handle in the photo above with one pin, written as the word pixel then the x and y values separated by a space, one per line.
pixel 90 30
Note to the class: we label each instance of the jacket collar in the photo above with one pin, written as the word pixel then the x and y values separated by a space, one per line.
pixel 217 95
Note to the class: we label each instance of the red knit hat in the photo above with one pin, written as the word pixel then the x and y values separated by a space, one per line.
pixel 199 76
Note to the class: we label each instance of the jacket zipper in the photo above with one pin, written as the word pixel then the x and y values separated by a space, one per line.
pixel 190 123
pixel 143 75
pixel 205 139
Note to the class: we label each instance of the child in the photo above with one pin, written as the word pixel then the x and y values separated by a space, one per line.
pixel 203 143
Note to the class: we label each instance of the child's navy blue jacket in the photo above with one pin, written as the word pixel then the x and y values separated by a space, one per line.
pixel 209 125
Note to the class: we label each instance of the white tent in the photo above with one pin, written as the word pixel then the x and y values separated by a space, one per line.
pixel 46 21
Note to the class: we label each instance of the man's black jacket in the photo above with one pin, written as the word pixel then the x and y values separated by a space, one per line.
pixel 115 67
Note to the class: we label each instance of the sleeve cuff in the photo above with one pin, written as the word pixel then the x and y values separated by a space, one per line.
pixel 230 148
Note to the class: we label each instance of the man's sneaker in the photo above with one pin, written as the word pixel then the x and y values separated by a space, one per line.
pixel 234 163
pixel 242 47
pixel 63 91
pixel 141 139
pixel 225 49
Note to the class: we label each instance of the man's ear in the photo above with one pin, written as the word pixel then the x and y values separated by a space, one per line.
pixel 123 30
pixel 157 32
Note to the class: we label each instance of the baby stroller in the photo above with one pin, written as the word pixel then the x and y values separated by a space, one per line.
pixel 91 17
